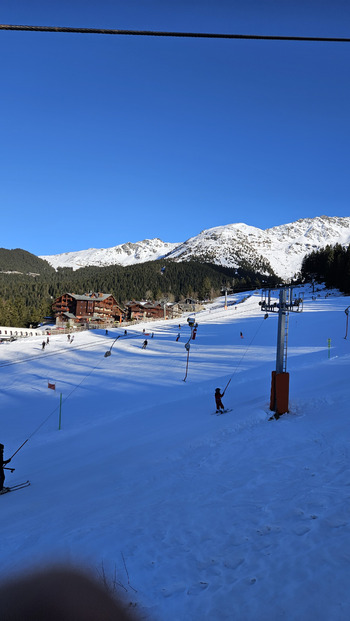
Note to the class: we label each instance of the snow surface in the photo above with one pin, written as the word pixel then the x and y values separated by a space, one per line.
pixel 124 254
pixel 201 516
pixel 283 246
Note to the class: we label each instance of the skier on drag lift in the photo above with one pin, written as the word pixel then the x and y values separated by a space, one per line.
pixel 218 396
pixel 2 464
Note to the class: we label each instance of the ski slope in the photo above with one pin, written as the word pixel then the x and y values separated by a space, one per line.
pixel 200 516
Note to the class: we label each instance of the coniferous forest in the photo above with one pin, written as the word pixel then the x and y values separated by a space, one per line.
pixel 330 265
pixel 29 285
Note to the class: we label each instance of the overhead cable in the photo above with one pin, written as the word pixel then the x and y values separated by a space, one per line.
pixel 156 33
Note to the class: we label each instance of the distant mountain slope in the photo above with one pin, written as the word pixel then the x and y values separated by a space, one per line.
pixel 232 245
pixel 23 262
pixel 280 249
pixel 124 254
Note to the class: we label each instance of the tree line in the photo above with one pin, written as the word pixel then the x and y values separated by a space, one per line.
pixel 330 265
pixel 26 297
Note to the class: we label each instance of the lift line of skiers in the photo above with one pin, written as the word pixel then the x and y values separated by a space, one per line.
pixel 70 339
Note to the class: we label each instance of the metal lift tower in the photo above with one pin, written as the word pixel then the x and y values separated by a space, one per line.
pixel 279 399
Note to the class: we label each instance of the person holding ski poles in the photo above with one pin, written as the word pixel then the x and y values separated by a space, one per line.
pixel 2 464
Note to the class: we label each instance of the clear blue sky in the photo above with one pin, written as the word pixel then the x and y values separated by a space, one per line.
pixel 109 139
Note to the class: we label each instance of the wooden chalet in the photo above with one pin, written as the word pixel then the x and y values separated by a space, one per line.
pixel 188 305
pixel 95 307
pixel 146 310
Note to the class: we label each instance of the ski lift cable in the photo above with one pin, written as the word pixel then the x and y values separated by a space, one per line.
pixel 53 353
pixel 64 400
pixel 57 352
pixel 244 354
pixel 145 33
pixel 56 408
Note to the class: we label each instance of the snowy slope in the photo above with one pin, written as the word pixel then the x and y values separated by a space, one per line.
pixel 124 254
pixel 229 517
pixel 281 248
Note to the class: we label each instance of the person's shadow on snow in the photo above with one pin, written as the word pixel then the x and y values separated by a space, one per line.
pixel 60 594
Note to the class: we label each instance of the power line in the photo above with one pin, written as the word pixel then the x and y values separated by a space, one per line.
pixel 155 33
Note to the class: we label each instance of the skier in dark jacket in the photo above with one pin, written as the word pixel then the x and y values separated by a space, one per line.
pixel 145 343
pixel 2 464
pixel 218 396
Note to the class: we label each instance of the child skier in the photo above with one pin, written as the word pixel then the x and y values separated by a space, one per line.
pixel 218 396
pixel 2 464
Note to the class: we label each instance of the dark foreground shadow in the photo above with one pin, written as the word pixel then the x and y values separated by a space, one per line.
pixel 59 594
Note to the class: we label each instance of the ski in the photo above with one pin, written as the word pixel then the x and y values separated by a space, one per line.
pixel 223 412
pixel 14 488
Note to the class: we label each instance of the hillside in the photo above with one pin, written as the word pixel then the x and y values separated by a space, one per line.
pixel 23 262
pixel 195 516
pixel 124 255
pixel 279 250
pixel 24 300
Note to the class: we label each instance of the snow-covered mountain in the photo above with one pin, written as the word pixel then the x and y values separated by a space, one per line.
pixel 124 254
pixel 280 249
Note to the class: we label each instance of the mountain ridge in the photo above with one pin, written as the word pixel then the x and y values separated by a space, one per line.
pixel 278 250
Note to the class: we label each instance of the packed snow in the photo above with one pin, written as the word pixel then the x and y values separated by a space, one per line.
pixel 198 516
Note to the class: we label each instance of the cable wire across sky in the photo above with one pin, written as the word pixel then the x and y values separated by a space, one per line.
pixel 155 33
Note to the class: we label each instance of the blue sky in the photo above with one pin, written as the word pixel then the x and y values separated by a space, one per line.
pixel 110 139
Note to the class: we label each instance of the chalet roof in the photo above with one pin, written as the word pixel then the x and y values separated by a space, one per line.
pixel 135 302
pixel 91 296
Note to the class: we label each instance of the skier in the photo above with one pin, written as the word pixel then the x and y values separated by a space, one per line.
pixel 2 464
pixel 72 339
pixel 68 338
pixel 47 340
pixel 125 332
pixel 145 343
pixel 241 334
pixel 218 396
pixel 43 345
pixel 178 336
